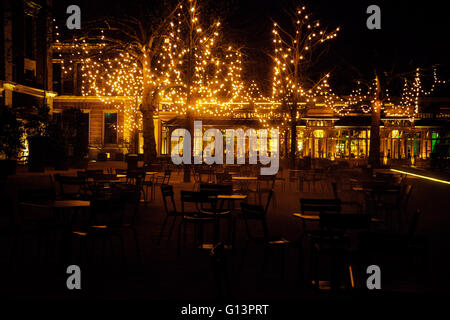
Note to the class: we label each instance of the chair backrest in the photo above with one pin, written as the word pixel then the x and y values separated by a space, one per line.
pixel 216 189
pixel 196 197
pixel 168 198
pixel 205 175
pixel 334 227
pixel 223 178
pixel 318 206
pixel 121 206
pixel 345 221
pixel 187 197
pixel 252 211
pixel 167 174
pixel 266 182
pixel 155 167
pixel 70 185
pixel 255 212
pixel 136 177
pixel 93 173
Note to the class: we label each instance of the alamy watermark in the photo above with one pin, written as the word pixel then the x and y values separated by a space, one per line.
pixel 258 147
pixel 374 20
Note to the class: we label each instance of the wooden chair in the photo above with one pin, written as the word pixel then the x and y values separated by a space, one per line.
pixel 334 241
pixel 310 210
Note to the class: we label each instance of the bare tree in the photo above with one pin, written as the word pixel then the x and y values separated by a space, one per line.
pixel 378 96
pixel 296 50
pixel 134 56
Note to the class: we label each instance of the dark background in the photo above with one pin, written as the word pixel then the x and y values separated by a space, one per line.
pixel 412 35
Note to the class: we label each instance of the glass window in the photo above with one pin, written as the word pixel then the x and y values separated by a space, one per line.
pixel 165 138
pixel 57 77
pixel 110 135
pixel 319 133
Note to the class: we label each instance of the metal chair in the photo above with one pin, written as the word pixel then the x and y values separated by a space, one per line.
pixel 169 208
pixel 252 212
pixel 195 216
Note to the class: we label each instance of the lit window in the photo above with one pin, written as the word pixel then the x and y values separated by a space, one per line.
pixel 110 135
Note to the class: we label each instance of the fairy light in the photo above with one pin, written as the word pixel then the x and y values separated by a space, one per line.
pixel 120 80
pixel 292 56
pixel 217 71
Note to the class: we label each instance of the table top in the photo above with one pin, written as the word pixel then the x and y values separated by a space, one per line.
pixel 121 176
pixel 59 204
pixel 152 172
pixel 112 180
pixel 244 178
pixel 378 189
pixel 232 196
pixel 314 217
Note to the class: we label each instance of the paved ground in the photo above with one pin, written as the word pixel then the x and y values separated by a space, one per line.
pixel 162 275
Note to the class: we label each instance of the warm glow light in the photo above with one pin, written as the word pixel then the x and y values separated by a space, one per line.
pixel 420 176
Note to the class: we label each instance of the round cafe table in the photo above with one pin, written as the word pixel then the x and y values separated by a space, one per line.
pixel 231 199
pixel 244 181
pixel 65 211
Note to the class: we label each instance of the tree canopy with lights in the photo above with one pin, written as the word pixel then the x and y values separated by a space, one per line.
pixel 297 47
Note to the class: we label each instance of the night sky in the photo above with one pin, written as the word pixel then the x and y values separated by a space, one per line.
pixel 413 34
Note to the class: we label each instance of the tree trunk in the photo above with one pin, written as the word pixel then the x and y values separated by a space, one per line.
pixel 134 141
pixel 293 114
pixel 293 143
pixel 189 126
pixel 374 154
pixel 149 136
pixel 148 108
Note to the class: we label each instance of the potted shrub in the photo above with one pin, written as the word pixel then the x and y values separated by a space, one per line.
pixel 37 121
pixel 101 156
pixel 11 141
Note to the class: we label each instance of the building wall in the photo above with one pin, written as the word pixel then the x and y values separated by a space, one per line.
pixel 96 110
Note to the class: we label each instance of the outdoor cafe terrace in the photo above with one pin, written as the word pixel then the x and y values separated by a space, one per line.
pixel 229 232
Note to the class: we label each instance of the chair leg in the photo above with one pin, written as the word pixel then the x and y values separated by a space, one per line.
pixel 103 250
pixel 247 228
pixel 110 245
pixel 314 266
pixel 300 267
pixel 179 237
pixel 184 235
pixel 244 253
pixel 265 259
pixel 162 229
pixel 138 251
pixel 171 228
pixel 122 245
